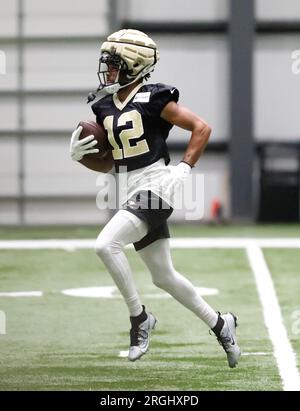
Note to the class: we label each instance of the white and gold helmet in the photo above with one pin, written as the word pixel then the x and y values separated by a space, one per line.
pixel 132 53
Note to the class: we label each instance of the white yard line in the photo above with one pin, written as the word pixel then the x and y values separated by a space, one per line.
pixel 283 351
pixel 234 242
pixel 66 244
pixel 22 294
pixel 184 242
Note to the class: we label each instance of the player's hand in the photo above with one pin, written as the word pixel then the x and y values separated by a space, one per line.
pixel 79 148
pixel 176 177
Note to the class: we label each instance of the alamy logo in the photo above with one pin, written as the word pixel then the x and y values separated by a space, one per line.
pixel 189 198
pixel 2 62
pixel 2 323
pixel 296 63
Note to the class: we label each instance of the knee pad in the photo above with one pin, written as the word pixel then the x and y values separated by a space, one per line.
pixel 163 280
pixel 105 247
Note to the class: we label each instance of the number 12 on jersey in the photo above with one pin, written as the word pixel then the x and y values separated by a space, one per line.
pixel 132 133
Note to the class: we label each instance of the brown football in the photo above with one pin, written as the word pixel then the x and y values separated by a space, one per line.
pixel 98 131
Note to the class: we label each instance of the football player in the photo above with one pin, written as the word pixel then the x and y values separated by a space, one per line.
pixel 138 118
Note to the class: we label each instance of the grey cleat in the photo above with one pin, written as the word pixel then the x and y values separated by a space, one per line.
pixel 140 337
pixel 227 338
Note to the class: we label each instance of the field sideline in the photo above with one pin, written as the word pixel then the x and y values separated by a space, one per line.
pixel 62 342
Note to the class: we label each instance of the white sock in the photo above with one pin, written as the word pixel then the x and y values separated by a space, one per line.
pixel 157 258
pixel 124 228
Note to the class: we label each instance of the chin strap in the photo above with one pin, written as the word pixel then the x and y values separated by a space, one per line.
pixel 101 92
pixel 96 95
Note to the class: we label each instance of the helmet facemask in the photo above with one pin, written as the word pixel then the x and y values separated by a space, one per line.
pixel 111 71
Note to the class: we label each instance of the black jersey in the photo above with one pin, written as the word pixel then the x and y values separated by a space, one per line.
pixel 136 132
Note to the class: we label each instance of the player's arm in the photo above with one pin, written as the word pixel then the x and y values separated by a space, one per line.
pixel 103 165
pixel 183 117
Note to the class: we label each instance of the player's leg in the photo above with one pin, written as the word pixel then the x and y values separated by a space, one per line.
pixel 125 228
pixel 157 258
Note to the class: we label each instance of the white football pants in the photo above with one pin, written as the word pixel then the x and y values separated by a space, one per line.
pixel 126 228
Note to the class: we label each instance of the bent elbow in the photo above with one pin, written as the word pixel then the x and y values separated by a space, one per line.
pixel 206 131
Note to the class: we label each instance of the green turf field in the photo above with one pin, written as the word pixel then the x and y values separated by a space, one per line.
pixel 59 342
pixel 191 230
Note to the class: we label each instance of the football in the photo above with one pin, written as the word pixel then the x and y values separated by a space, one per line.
pixel 98 131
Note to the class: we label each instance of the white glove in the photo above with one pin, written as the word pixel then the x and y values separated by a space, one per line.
pixel 79 148
pixel 176 177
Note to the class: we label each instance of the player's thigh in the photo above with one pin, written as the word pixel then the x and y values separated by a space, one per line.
pixel 124 228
